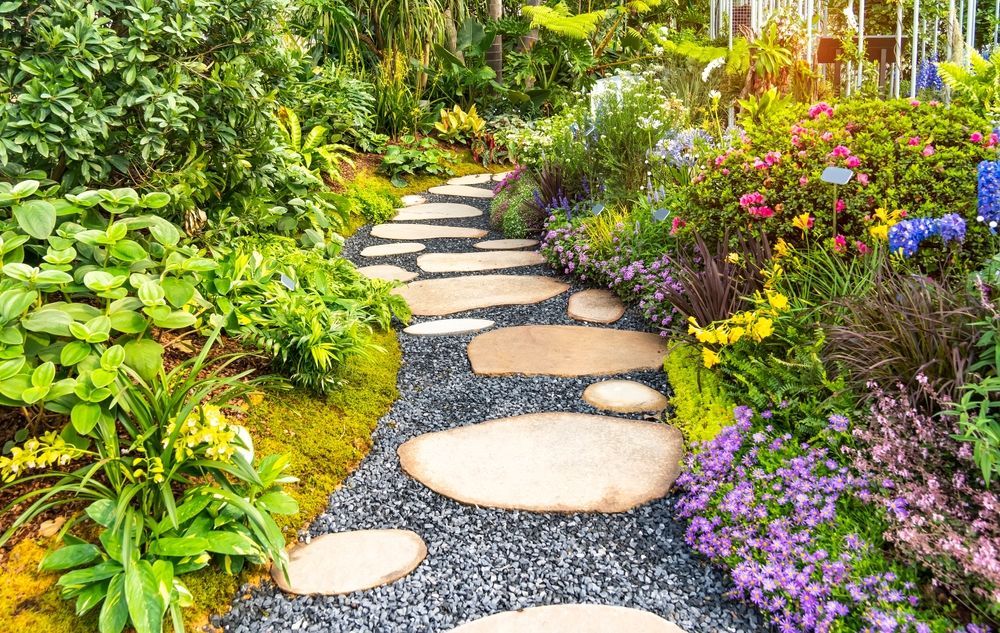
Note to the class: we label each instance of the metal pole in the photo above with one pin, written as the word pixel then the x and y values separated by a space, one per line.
pixel 970 29
pixel 729 18
pixel 809 31
pixel 897 67
pixel 861 42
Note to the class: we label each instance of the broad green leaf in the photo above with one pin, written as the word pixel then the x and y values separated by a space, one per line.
pixel 15 301
pixel 145 357
pixel 85 416
pixel 24 188
pixel 37 218
pixel 231 543
pixel 74 352
pixel 102 377
pixel 69 557
pixel 145 607
pixel 178 291
pixel 114 611
pixel 88 575
pixel 156 200
pixel 128 250
pixel 174 320
pixel 278 503
pixel 43 375
pixel 55 322
pixel 128 321
pixel 102 512
pixel 113 357
pixel 180 547
pixel 90 597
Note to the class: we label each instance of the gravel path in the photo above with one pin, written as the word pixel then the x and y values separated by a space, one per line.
pixel 482 561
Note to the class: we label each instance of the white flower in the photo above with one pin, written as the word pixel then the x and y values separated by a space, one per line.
pixel 714 95
pixel 712 65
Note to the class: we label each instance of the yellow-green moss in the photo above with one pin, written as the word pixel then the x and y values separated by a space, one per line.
pixel 326 437
pixel 419 184
pixel 701 406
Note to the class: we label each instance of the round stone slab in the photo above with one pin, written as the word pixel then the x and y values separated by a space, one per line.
pixel 549 462
pixel 571 618
pixel 480 260
pixel 424 232
pixel 464 191
pixel 335 564
pixel 438 297
pixel 505 245
pixel 564 350
pixel 399 248
pixel 624 396
pixel 412 200
pixel 595 306
pixel 387 272
pixel 471 179
pixel 499 177
pixel 437 211
pixel 448 327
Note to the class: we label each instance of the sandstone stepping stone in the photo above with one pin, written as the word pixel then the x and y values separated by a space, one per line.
pixel 340 563
pixel 481 260
pixel 437 211
pixel 387 272
pixel 505 245
pixel 448 327
pixel 438 297
pixel 564 350
pixel 464 191
pixel 398 248
pixel 424 232
pixel 595 306
pixel 412 200
pixel 572 618
pixel 501 176
pixel 471 179
pixel 624 396
pixel 549 462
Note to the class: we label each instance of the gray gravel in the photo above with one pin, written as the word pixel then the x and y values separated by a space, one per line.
pixel 483 561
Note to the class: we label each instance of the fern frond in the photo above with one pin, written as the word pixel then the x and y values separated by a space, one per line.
pixel 560 21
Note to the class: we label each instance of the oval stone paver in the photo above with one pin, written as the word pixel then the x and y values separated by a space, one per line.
pixel 564 350
pixel 549 462
pixel 595 306
pixel 412 199
pixel 400 248
pixel 624 396
pixel 340 563
pixel 572 618
pixel 448 327
pixel 438 297
pixel 480 260
pixel 424 232
pixel 387 272
pixel 463 191
pixel 471 179
pixel 501 176
pixel 505 245
pixel 437 211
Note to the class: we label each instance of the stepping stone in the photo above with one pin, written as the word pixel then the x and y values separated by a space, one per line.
pixel 424 232
pixel 344 562
pixel 571 618
pixel 438 297
pixel 400 248
pixel 595 306
pixel 624 396
pixel 437 211
pixel 472 179
pixel 464 191
pixel 564 350
pixel 499 177
pixel 388 273
pixel 505 245
pixel 412 200
pixel 482 260
pixel 549 462
pixel 448 327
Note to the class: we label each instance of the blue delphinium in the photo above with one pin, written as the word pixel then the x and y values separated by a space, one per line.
pixel 927 76
pixel 907 235
pixel 989 194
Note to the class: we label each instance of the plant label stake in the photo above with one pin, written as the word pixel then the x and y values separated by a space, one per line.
pixel 661 214
pixel 287 281
pixel 598 208
pixel 836 176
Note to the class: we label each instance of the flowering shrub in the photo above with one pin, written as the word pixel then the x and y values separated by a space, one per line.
pixel 918 159
pixel 791 524
pixel 940 511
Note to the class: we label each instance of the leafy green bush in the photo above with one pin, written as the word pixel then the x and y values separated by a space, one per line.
pixel 510 208
pixel 376 205
pixel 170 486
pixel 412 157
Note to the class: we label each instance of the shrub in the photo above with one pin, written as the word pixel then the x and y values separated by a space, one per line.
pixel 701 407
pixel 412 157
pixel 513 196
pixel 376 205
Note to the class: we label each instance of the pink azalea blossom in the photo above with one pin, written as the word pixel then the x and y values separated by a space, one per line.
pixel 976 137
pixel 827 136
pixel 914 141
pixel 772 158
pixel 803 181
pixel 853 161
pixel 841 205
pixel 928 151
pixel 725 171
pixel 914 102
pixel 840 151
pixel 821 109
pixel 862 247
pixel 994 139
pixel 676 225
pixel 761 212
pixel 840 243
pixel 863 179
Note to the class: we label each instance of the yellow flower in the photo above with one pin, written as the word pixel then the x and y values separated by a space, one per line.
pixel 256 398
pixel 778 301
pixel 709 357
pixel 762 328
pixel 781 248
pixel 733 258
pixel 736 334
pixel 803 222
pixel 880 232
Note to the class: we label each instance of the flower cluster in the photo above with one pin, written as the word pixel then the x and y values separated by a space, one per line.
pixel 927 76
pixel 205 429
pixel 989 194
pixel 45 451
pixel 509 180
pixel 906 236
pixel 755 325
pixel 755 205
pixel 683 148
pixel 821 109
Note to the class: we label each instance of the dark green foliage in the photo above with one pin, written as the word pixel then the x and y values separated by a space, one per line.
pixel 411 157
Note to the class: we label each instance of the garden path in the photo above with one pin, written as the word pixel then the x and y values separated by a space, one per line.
pixel 535 454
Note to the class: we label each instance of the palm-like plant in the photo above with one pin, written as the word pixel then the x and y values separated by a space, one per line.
pixel 311 150
pixel 976 86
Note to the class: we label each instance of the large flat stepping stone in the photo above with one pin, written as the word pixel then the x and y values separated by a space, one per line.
pixel 595 306
pixel 463 191
pixel 499 177
pixel 438 297
pixel 437 211
pixel 424 232
pixel 412 200
pixel 624 396
pixel 572 618
pixel 400 248
pixel 335 564
pixel 471 179
pixel 505 245
pixel 564 350
pixel 387 272
pixel 481 260
pixel 549 462
pixel 448 327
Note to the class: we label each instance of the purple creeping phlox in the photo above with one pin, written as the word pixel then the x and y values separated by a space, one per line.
pixel 769 509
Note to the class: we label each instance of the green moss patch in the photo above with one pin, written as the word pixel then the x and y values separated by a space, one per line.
pixel 419 184
pixel 701 406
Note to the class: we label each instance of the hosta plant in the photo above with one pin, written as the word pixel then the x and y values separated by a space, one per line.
pixel 458 126
pixel 170 486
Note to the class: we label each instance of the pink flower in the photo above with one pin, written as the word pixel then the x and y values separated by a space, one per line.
pixel 841 205
pixel 827 136
pixel 914 102
pixel 853 161
pixel 840 151
pixel 821 109
pixel 863 179
pixel 803 181
pixel 803 154
pixel 676 225
pixel 761 212
pixel 725 171
pixel 994 139
pixel 840 243
pixel 934 103
pixel 752 199
pixel 759 164
pixel 976 137
pixel 928 151
pixel 914 141
pixel 772 158
pixel 796 141
pixel 862 247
